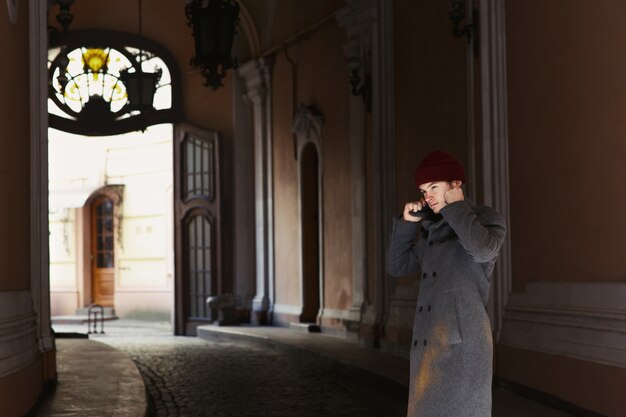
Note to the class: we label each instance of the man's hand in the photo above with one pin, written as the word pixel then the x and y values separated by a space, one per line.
pixel 454 194
pixel 412 206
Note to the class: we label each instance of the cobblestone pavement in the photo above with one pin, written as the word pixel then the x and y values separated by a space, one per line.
pixel 187 376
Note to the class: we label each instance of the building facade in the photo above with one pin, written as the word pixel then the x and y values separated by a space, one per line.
pixel 111 223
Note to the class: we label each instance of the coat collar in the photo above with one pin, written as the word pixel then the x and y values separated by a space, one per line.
pixel 435 221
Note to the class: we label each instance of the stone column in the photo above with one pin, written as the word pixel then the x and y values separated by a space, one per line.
pixel 257 79
pixel 368 27
pixel 495 151
pixel 243 195
pixel 40 279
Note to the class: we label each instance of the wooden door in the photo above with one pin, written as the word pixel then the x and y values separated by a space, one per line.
pixel 197 209
pixel 102 252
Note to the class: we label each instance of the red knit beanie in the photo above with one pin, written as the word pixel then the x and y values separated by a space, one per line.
pixel 438 166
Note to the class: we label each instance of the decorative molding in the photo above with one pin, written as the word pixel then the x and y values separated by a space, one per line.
pixel 12 6
pixel 288 309
pixel 307 126
pixel 580 320
pixel 331 313
pixel 18 332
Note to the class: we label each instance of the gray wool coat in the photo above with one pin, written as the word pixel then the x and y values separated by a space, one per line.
pixel 452 351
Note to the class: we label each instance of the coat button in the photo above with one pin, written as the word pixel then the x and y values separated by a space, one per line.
pixel 430 243
pixel 429 309
pixel 434 274
pixel 420 309
pixel 415 343
pixel 425 342
pixel 424 275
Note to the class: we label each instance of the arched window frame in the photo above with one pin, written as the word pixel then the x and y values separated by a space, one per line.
pixel 119 41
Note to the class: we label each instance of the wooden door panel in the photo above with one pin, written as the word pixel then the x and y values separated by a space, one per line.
pixel 197 208
pixel 104 288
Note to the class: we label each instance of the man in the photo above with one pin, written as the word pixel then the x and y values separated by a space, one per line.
pixel 456 248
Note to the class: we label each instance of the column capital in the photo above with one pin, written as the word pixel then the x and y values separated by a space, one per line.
pixel 256 75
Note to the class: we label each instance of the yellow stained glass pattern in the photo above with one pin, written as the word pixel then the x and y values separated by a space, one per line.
pixel 95 59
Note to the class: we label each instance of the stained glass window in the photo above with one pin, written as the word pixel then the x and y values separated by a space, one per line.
pixel 85 74
pixel 104 83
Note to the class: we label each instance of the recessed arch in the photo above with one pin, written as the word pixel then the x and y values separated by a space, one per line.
pixel 307 128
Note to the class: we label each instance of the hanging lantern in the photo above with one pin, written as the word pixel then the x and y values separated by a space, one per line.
pixel 140 85
pixel 214 25
pixel 140 88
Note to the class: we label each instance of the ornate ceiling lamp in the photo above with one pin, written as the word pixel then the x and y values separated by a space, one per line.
pixel 214 25
pixel 140 85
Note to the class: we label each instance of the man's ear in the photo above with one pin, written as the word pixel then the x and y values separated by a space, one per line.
pixel 456 184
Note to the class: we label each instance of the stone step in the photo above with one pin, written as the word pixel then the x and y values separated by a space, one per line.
pixel 78 319
pixel 305 327
pixel 108 311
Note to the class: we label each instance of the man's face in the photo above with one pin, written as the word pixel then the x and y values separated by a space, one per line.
pixel 434 192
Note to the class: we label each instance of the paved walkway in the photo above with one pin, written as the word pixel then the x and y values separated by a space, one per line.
pixel 94 380
pixel 245 371
pixel 365 361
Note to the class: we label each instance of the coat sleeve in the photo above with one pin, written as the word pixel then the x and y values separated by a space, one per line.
pixel 402 258
pixel 480 232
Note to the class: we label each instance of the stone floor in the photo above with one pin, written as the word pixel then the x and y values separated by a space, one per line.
pixel 240 371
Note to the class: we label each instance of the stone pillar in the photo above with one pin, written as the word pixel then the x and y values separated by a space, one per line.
pixel 257 79
pixel 495 151
pixel 40 279
pixel 243 195
pixel 369 31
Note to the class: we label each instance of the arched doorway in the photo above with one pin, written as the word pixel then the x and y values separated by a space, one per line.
pixel 310 229
pixel 101 217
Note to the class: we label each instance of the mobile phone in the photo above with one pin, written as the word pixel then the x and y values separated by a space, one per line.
pixel 423 213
